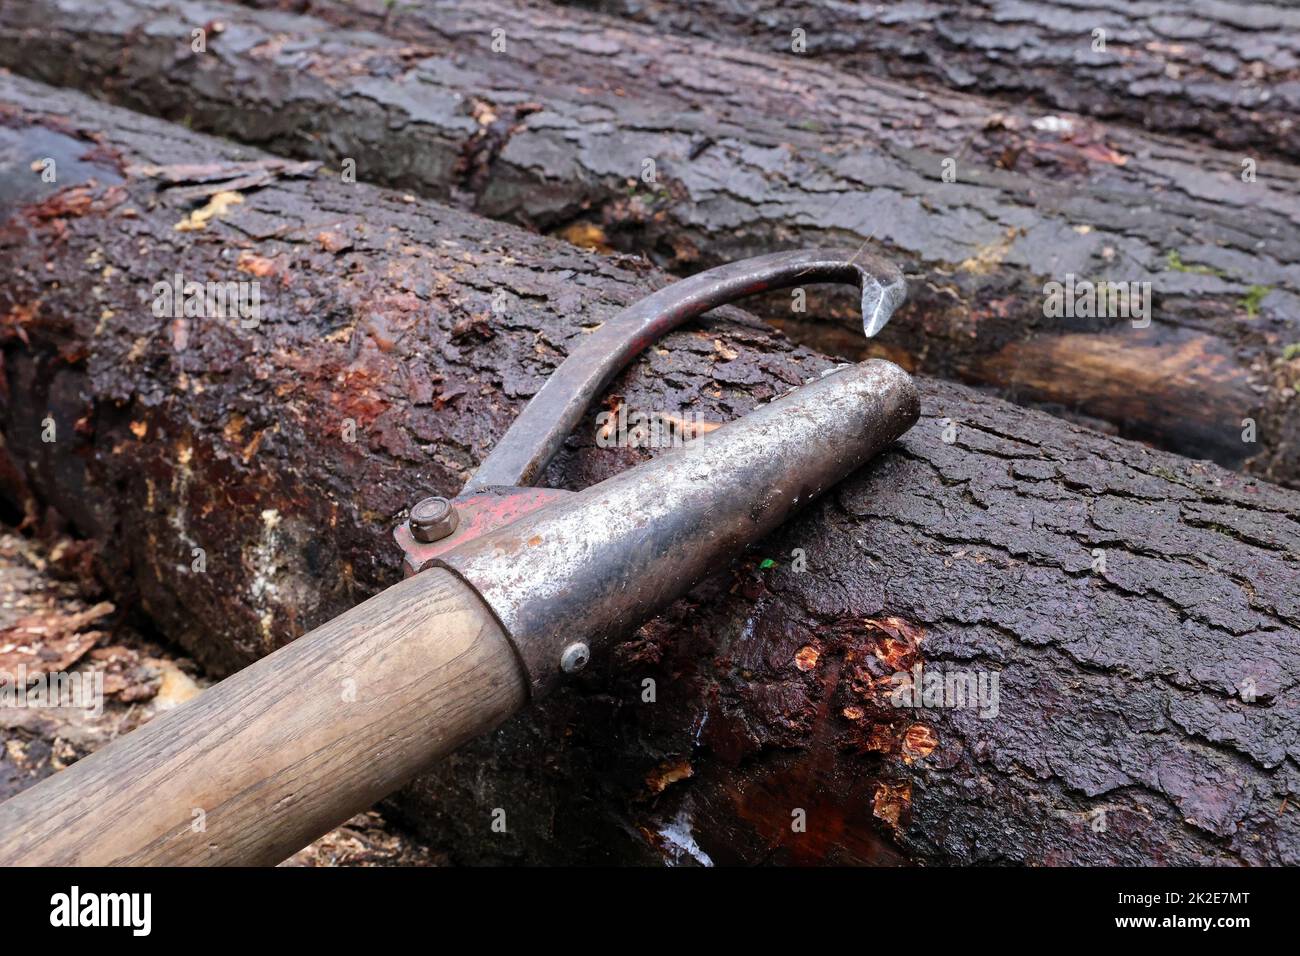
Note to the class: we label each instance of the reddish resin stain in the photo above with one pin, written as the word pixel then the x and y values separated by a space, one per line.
pixel 806 658
pixel 65 204
pixel 259 266
pixel 897 641
pixel 667 774
pixel 891 803
pixel 918 741
pixel 331 241
pixel 878 656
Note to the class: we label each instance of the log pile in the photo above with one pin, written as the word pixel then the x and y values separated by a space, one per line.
pixel 751 153
pixel 1217 72
pixel 1127 619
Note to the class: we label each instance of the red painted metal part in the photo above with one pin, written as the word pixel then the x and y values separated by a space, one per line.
pixel 479 513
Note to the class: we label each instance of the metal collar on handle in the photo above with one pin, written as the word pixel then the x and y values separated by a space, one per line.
pixel 595 563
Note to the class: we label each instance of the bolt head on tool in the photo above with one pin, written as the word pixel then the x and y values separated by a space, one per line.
pixel 574 657
pixel 432 519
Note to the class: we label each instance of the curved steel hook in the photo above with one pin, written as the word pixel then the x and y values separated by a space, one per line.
pixel 536 435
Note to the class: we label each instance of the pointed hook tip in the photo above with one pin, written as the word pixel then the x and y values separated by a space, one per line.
pixel 883 291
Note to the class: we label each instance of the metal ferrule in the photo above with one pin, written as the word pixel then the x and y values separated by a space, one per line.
pixel 599 562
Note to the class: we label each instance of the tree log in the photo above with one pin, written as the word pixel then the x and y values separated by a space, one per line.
pixel 1223 73
pixel 754 153
pixel 1139 611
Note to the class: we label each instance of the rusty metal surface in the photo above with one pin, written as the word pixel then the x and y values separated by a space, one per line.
pixel 535 436
pixel 601 560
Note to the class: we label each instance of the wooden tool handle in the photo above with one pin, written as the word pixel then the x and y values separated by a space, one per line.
pixel 264 762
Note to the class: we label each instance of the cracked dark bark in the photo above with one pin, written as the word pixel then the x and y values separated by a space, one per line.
pixel 755 152
pixel 1122 735
pixel 1225 72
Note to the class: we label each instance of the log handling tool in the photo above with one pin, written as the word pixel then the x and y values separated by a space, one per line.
pixel 508 588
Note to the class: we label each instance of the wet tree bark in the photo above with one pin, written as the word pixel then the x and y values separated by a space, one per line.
pixel 753 152
pixel 1139 612
pixel 1223 73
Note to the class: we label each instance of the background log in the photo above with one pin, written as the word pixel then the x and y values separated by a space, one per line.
pixel 753 153
pixel 1140 610
pixel 1219 71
